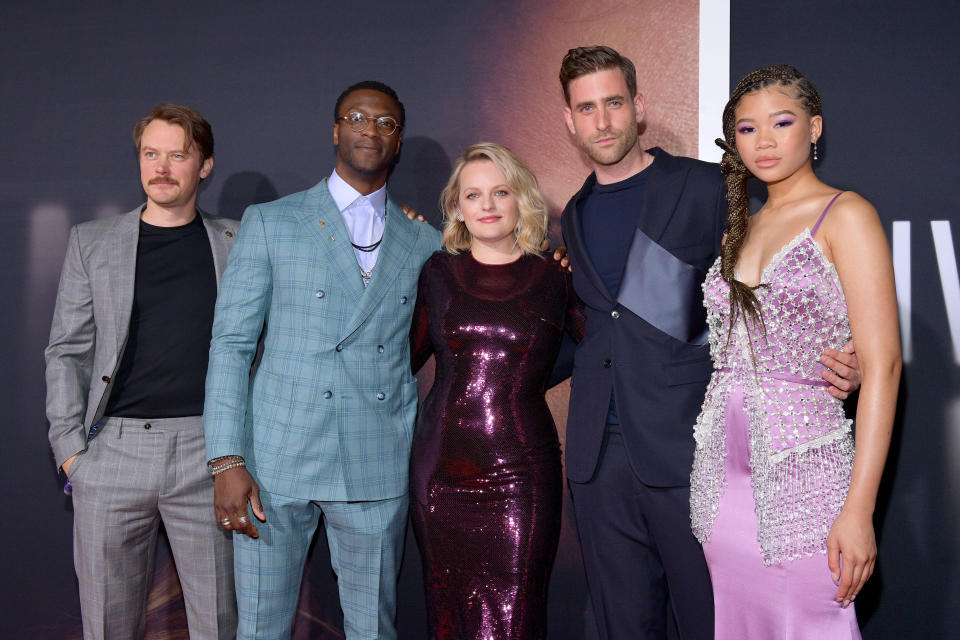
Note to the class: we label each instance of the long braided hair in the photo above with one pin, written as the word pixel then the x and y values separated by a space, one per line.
pixel 742 298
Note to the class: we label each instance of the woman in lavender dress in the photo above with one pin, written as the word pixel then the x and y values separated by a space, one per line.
pixel 485 475
pixel 780 496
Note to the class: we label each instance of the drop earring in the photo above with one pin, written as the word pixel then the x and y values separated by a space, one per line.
pixel 459 217
pixel 815 155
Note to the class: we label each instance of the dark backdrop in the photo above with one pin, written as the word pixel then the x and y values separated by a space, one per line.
pixel 75 78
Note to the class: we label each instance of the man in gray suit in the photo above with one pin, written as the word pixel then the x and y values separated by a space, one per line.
pixel 125 387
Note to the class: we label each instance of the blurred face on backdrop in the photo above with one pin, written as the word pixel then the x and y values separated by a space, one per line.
pixel 365 156
pixel 773 133
pixel 170 166
pixel 603 116
pixel 489 206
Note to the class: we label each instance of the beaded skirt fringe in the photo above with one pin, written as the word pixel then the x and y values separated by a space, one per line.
pixel 798 492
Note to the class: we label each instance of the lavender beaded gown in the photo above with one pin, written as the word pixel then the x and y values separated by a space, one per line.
pixel 774 453
pixel 485 469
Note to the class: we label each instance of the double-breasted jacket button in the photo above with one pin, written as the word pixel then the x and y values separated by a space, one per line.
pixel 379 348
pixel 320 293
pixel 328 394
pixel 607 364
pixel 339 347
pixel 229 234
pixel 381 395
pixel 403 299
pixel 106 379
pixel 614 314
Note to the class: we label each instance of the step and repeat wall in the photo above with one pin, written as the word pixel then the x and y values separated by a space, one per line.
pixel 77 78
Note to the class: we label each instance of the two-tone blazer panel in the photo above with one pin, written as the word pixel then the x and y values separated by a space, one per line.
pixel 330 410
pixel 657 380
pixel 91 320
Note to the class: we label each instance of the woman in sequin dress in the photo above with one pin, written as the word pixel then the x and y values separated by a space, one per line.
pixel 779 499
pixel 485 468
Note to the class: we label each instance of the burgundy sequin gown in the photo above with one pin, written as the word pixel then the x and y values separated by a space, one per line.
pixel 486 480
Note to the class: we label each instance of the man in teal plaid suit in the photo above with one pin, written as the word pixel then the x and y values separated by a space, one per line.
pixel 327 279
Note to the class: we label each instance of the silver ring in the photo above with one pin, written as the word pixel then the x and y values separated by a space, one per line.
pixel 243 520
pixel 225 522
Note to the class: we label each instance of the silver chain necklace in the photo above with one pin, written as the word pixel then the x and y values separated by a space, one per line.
pixel 366 275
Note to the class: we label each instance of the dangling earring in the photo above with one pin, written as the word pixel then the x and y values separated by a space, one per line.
pixel 815 156
pixel 459 217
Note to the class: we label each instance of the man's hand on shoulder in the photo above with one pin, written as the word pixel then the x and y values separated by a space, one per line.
pixel 560 254
pixel 411 213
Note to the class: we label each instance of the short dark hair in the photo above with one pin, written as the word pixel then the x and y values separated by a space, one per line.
pixel 196 130
pixel 373 85
pixel 586 60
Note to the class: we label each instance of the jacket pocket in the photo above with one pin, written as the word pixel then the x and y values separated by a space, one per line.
pixel 688 371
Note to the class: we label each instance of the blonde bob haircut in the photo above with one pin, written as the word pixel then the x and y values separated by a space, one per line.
pixel 534 218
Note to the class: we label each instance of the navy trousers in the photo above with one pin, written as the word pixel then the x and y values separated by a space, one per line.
pixel 639 553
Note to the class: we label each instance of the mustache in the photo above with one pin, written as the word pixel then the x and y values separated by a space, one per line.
pixel 166 180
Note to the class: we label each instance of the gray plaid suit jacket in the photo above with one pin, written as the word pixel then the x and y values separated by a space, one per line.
pixel 330 411
pixel 92 318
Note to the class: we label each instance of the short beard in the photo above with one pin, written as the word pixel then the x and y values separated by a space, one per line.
pixel 619 153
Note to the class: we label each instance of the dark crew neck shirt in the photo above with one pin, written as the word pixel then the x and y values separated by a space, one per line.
pixel 609 215
pixel 164 364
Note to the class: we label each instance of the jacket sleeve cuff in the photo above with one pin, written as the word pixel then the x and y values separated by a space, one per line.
pixel 68 446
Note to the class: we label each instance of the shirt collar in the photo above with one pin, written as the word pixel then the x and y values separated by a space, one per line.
pixel 344 195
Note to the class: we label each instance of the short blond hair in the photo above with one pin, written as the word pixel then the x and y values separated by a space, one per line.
pixel 534 219
pixel 196 130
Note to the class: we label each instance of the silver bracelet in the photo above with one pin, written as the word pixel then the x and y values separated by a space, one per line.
pixel 229 465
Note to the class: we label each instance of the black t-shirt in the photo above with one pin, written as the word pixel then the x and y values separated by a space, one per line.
pixel 609 218
pixel 164 363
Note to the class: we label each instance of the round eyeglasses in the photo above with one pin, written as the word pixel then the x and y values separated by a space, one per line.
pixel 386 126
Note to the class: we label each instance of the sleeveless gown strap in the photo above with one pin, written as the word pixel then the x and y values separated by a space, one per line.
pixel 823 215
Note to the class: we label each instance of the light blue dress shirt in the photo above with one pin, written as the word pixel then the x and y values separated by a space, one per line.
pixel 363 215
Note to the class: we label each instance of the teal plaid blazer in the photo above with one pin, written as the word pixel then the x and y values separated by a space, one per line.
pixel 329 412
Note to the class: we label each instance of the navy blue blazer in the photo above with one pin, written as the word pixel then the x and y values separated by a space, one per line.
pixel 658 381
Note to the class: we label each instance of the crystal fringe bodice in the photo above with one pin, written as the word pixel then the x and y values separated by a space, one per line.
pixel 801 447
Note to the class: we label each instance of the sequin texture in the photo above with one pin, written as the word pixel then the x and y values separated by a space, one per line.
pixel 486 481
pixel 800 442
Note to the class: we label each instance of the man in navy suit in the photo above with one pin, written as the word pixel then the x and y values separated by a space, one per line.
pixel 642 232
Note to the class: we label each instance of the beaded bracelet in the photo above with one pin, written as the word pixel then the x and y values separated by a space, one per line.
pixel 240 462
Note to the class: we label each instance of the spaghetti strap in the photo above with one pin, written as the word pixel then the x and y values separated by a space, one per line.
pixel 823 215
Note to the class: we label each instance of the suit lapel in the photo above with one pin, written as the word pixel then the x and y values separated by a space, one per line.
pixel 321 220
pixel 577 245
pixel 221 240
pixel 399 239
pixel 123 270
pixel 661 194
